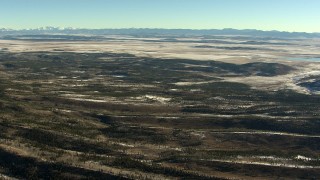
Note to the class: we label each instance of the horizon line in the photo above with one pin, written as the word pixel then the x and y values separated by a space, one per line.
pixel 151 28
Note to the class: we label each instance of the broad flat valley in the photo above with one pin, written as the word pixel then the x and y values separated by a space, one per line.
pixel 159 107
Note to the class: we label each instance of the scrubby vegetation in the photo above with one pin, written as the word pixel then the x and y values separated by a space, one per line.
pixel 105 115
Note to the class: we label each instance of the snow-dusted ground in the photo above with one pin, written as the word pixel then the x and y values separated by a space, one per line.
pixel 105 99
pixel 288 81
pixel 274 164
pixel 186 50
pixel 266 133
pixel 4 177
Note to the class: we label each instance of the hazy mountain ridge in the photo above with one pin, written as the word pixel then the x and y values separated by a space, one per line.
pixel 148 31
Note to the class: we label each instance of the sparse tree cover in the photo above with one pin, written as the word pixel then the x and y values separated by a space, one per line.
pixel 117 116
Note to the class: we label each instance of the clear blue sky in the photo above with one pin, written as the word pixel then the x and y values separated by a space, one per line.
pixel 286 15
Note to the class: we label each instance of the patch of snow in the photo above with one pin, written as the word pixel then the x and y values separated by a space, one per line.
pixel 119 76
pixel 174 89
pixel 65 110
pixel 2 176
pixel 299 157
pixel 168 117
pixel 267 133
pixel 79 72
pixel 75 95
pixel 263 163
pixel 89 100
pixel 264 157
pixel 195 90
pixel 74 85
pixel 158 98
pixel 201 135
pixel 219 98
pixel 124 145
pixel 192 83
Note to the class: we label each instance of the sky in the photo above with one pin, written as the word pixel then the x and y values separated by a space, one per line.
pixel 283 15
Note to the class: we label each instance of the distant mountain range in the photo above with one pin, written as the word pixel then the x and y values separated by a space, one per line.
pixel 152 32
